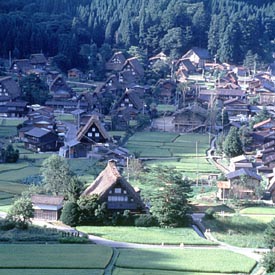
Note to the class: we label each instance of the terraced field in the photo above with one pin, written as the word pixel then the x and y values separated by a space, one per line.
pixel 185 152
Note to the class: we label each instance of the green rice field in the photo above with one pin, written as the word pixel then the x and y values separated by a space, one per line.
pixel 185 260
pixel 54 259
pixel 185 152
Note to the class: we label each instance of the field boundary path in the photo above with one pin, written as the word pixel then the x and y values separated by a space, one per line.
pixel 109 268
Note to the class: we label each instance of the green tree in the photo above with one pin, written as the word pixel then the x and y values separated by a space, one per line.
pixel 74 188
pixel 169 200
pixel 269 234
pixel 34 89
pixel 90 210
pixel 56 174
pixel 9 155
pixel 232 145
pixel 21 212
pixel 70 214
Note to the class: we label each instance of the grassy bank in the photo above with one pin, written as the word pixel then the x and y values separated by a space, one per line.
pixel 147 235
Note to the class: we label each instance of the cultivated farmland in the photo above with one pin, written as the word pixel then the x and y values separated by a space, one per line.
pixel 186 152
pixel 38 258
pixel 192 260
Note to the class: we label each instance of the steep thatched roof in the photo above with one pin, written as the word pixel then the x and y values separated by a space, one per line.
pixel 107 179
pixel 94 120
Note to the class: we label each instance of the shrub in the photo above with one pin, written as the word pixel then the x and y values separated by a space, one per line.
pixel 145 220
pixel 7 224
pixel 209 213
pixel 70 214
pixel 74 240
pixel 269 262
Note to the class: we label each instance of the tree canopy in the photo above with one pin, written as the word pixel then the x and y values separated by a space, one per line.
pixel 232 30
pixel 232 145
pixel 56 174
pixel 169 200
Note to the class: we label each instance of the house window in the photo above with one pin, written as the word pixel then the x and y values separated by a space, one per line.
pixel 126 100
pixel 130 105
pixel 96 134
pixel 122 104
pixel 117 198
pixel 117 190
pixel 90 134
pixel 93 129
pixel 124 192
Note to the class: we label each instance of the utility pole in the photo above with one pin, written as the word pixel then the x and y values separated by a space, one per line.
pixel 197 178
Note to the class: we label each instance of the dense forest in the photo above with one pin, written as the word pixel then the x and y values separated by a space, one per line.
pixel 76 30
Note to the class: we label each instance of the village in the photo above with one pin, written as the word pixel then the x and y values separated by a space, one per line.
pixel 226 112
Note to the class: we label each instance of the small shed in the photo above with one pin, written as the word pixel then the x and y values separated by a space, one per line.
pixel 47 207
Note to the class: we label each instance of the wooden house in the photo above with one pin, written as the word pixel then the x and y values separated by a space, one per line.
pixel 116 62
pixel 223 190
pixel 9 90
pixel 75 74
pixel 193 118
pixel 47 207
pixel 182 75
pixel 87 140
pixel 133 66
pixel 165 91
pixel 41 140
pixel 115 190
pixel 240 162
pixel 197 56
pixel 20 66
pixel 60 90
pixel 130 99
pixel 236 106
pixel 38 60
pixel 93 132
pixel 252 182
pixel 268 124
pixel 16 108
pixel 159 57
pixel 186 65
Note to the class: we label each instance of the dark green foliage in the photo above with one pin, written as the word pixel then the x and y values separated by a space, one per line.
pixel 209 213
pixel 123 219
pixel 229 28
pixel 232 145
pixel 73 189
pixel 269 262
pixel 269 234
pixel 91 210
pixel 145 220
pixel 9 155
pixel 169 200
pixel 34 89
pixel 70 214
pixel 75 240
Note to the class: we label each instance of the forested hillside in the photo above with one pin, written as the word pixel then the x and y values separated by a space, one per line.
pixel 228 28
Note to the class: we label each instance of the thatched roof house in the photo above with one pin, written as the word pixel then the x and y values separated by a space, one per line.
pixel 115 190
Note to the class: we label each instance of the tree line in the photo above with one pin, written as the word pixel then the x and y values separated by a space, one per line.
pixel 230 29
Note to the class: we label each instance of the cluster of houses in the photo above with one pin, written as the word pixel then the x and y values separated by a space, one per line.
pixel 199 88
